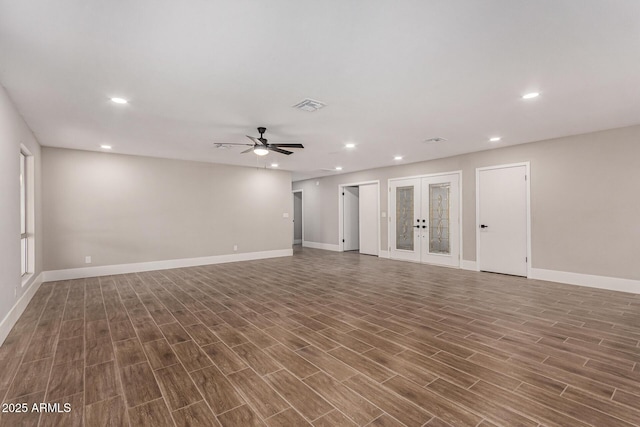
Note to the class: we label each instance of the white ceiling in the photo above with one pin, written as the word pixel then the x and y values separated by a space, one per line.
pixel 393 73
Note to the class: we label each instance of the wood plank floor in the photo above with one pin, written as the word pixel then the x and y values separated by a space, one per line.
pixel 324 339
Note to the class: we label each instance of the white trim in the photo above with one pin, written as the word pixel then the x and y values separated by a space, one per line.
pixel 460 213
pixel 18 308
pixel 468 265
pixel 107 270
pixel 460 219
pixel 26 279
pixel 527 166
pixel 341 212
pixel 324 246
pixel 299 241
pixel 477 222
pixel 429 175
pixel 383 254
pixel 601 282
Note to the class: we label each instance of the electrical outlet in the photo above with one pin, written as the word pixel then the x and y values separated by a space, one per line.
pixel 235 248
pixel 87 260
pixel 285 215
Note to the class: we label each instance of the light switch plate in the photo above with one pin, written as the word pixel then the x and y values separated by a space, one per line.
pixel 285 215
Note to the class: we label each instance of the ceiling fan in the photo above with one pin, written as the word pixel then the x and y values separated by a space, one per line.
pixel 261 146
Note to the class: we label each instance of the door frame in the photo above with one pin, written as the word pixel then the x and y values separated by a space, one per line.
pixel 430 175
pixel 301 213
pixel 527 166
pixel 341 211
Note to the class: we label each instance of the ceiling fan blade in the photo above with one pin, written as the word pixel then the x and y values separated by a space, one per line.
pixel 247 150
pixel 257 141
pixel 287 145
pixel 277 150
pixel 219 144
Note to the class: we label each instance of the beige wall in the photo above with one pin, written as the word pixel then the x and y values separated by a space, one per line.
pixel 122 209
pixel 13 132
pixel 585 209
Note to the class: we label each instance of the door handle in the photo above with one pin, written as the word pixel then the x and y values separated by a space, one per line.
pixel 484 226
pixel 416 226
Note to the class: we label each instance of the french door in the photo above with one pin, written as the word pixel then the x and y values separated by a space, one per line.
pixel 404 219
pixel 425 219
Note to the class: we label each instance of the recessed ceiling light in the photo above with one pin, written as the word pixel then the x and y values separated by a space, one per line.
pixel 119 100
pixel 106 147
pixel 274 165
pixel 531 95
pixel 350 145
pixel 495 139
pixel 338 168
pixel 261 151
pixel 397 158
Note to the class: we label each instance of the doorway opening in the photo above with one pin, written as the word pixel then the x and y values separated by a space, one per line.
pixel 351 219
pixel 298 218
pixel 359 219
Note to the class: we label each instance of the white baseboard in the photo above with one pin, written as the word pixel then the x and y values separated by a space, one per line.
pixel 468 265
pixel 107 270
pixel 325 246
pixel 16 311
pixel 297 241
pixel 602 282
pixel 383 254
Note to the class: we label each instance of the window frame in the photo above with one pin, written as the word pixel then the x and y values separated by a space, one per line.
pixel 27 214
pixel 24 236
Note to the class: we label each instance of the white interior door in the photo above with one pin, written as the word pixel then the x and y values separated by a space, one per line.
pixel 351 219
pixel 502 220
pixel 368 198
pixel 440 220
pixel 404 219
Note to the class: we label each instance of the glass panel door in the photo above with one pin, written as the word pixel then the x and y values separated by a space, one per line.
pixel 441 238
pixel 439 232
pixel 404 219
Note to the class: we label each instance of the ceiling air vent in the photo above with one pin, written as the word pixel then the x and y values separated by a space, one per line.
pixel 435 139
pixel 309 105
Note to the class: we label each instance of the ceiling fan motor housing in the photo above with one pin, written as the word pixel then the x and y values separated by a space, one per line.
pixel 262 139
